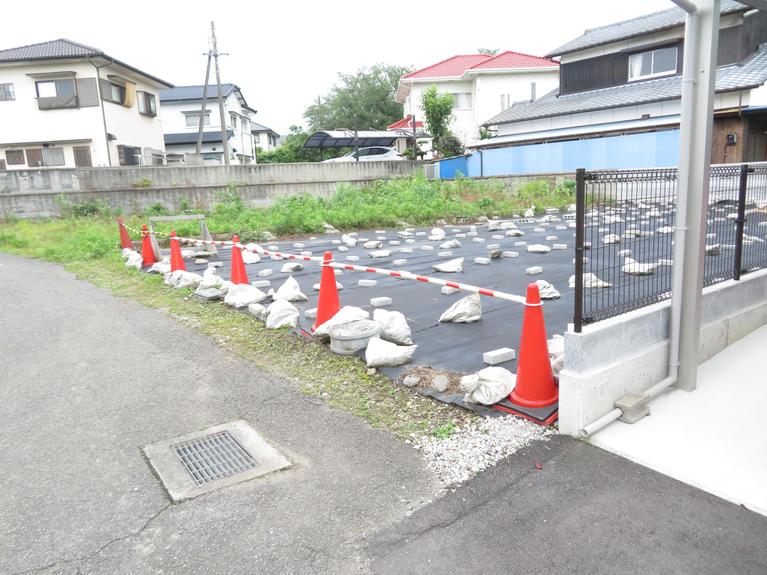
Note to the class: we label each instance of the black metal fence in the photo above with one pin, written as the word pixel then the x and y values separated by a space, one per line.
pixel 624 235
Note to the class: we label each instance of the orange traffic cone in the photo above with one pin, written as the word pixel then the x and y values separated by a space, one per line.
pixel 238 274
pixel 535 395
pixel 125 241
pixel 147 253
pixel 176 259
pixel 328 304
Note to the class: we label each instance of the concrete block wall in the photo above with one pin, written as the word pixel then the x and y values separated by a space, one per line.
pixel 629 353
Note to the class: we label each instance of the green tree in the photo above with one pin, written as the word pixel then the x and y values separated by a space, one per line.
pixel 361 101
pixel 438 111
pixel 292 150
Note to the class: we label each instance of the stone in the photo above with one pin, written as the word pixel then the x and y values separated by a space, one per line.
pixel 447 290
pixel 201 261
pixel 534 270
pixel 499 356
pixel 371 371
pixel 411 380
pixel 494 254
pixel 261 284
pixel 481 261
pixel 440 383
pixel 209 294
pixel 510 254
pixel 343 249
pixel 380 301
pixel 367 283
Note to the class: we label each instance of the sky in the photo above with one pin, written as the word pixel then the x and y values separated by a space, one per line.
pixel 283 54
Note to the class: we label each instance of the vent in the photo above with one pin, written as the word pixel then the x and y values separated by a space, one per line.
pixel 213 457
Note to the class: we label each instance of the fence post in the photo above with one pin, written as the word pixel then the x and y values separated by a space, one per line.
pixel 580 219
pixel 741 220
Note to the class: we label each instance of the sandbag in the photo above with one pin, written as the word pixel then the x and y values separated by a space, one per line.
pixel 547 290
pixel 348 240
pixel 241 295
pixel 610 239
pixel 450 244
pixel 465 310
pixel 182 279
pixel 372 245
pixel 291 267
pixel 161 268
pixel 258 311
pixel 530 212
pixel 632 267
pixel 134 260
pixel 488 386
pixel 379 254
pixel 346 314
pixel 450 266
pixel 538 249
pixel 394 327
pixel 249 256
pixel 211 279
pixel 590 280
pixel 556 346
pixel 127 252
pixel 290 291
pixel 281 313
pixel 380 353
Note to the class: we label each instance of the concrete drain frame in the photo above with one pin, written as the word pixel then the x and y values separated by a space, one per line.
pixel 207 460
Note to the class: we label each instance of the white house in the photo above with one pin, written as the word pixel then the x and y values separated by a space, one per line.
pixel 180 110
pixel 64 104
pixel 482 86
pixel 265 139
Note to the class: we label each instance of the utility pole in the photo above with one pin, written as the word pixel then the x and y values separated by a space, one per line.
pixel 204 105
pixel 216 54
pixel 415 145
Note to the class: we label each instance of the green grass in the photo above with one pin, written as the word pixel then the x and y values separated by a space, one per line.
pixel 86 243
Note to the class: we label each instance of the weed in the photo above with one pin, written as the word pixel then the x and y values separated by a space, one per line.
pixel 444 431
pixel 142 183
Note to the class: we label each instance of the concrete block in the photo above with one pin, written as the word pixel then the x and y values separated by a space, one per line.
pixel 265 273
pixel 447 290
pixel 343 249
pixel 559 247
pixel 551 211
pixel 471 233
pixel 493 246
pixel 460 235
pixel 298 245
pixel 478 240
pixel 510 254
pixel 338 272
pixel 394 242
pixel 400 262
pixel 406 250
pixel 420 233
pixel 380 301
pixel 525 220
pixel 634 407
pixel 520 243
pixel 560 228
pixel 261 284
pixel 445 254
pixel 306 253
pixel 499 356
pixel 497 236
pixel 311 313
pixel 335 242
pixel 352 258
pixel 551 238
pixel 534 270
pixel 540 230
pixel 367 283
pixel 664 262
pixel 568 216
pixel 410 241
pixel 427 248
pixel 481 261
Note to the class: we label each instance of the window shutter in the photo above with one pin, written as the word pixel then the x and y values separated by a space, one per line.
pixel 87 95
pixel 34 157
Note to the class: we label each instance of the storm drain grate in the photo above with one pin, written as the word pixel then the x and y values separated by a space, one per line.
pixel 213 457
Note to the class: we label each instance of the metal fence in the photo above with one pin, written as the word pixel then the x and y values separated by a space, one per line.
pixel 624 235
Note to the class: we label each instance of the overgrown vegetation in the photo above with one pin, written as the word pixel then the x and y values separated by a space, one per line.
pixel 438 110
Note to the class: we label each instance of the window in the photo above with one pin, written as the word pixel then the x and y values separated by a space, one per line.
pixel 147 104
pixel 14 157
pixel 505 102
pixel 233 118
pixel 6 92
pixel 129 155
pixel 461 100
pixel 55 88
pixel 660 62
pixel 244 123
pixel 257 137
pixel 53 156
pixel 193 119
pixel 114 93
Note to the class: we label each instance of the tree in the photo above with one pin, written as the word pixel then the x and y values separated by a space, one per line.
pixel 361 101
pixel 438 111
pixel 292 150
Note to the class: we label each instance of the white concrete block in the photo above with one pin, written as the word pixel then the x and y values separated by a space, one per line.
pixel 493 246
pixel 541 230
pixel 520 243
pixel 406 250
pixel 394 242
pixel 306 253
pixel 352 258
pixel 343 249
pixel 568 216
pixel 298 245
pixel 471 233
pixel 367 283
pixel 380 231
pixel 445 254
pixel 410 241
pixel 335 242
pixel 560 228
pixel 311 313
pixel 265 273
pixel 510 254
pixel 551 211
pixel 497 236
pixel 400 262
pixel 380 301
pixel 420 233
pixel 499 356
pixel 460 235
pixel 481 261
pixel 478 240
pixel 261 284
pixel 447 290
pixel 551 238
pixel 534 270
pixel 559 247
pixel 427 248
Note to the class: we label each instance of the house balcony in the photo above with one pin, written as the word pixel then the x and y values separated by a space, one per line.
pixel 57 102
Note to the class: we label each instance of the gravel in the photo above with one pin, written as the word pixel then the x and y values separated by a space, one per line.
pixel 477 446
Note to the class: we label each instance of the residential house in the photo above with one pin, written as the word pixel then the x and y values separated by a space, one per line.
pixel 423 140
pixel 619 99
pixel 265 139
pixel 181 108
pixel 482 85
pixel 65 104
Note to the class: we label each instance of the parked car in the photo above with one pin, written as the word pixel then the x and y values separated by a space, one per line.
pixel 371 154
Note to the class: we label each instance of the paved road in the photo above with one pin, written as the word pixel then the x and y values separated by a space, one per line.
pixel 586 511
pixel 86 380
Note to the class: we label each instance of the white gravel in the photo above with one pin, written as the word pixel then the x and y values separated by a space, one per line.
pixel 477 446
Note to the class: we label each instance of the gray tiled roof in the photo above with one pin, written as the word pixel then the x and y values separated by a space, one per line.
pixel 191 137
pixel 749 74
pixel 635 27
pixel 61 48
pixel 182 93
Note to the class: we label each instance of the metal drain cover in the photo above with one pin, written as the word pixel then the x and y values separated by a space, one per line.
pixel 203 461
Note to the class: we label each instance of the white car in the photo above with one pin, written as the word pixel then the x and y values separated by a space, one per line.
pixel 371 154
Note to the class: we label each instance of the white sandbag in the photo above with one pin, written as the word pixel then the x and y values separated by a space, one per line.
pixel 547 290
pixel 258 311
pixel 290 291
pixel 182 279
pixel 211 279
pixel 530 212
pixel 556 346
pixel 610 239
pixel 450 266
pixel 329 229
pixel 514 233
pixel 291 267
pixel 348 240
pixel 161 268
pixel 346 314
pixel 281 313
pixel 450 244
pixel 394 327
pixel 507 225
pixel 372 245
pixel 225 286
pixel 538 249
pixel 380 353
pixel 632 267
pixel 134 260
pixel 379 254
pixel 465 310
pixel 187 254
pixel 241 295
pixel 488 386
pixel 590 280
pixel 249 256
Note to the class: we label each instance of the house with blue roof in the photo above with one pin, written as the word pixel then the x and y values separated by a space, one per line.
pixel 619 98
pixel 181 110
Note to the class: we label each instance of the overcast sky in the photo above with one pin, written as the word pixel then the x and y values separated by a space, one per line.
pixel 283 54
